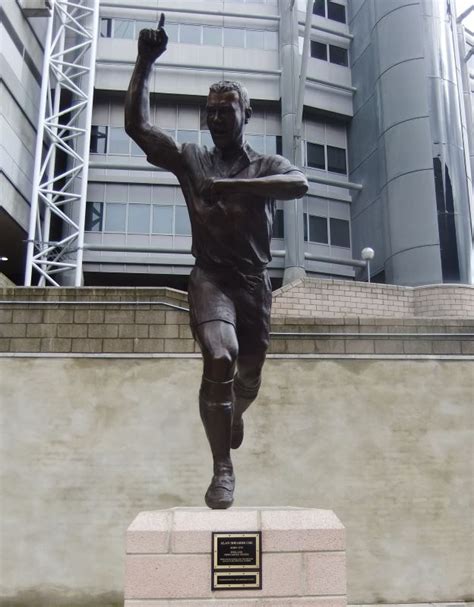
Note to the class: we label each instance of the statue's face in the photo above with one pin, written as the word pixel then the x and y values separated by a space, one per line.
pixel 225 119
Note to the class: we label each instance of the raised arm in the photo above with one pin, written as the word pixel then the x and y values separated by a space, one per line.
pixel 160 148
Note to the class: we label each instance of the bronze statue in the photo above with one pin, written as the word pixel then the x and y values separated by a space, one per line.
pixel 230 193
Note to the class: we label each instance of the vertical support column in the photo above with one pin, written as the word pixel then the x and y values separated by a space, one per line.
pixel 290 64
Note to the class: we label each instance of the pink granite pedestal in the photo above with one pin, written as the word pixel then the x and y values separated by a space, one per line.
pixel 168 559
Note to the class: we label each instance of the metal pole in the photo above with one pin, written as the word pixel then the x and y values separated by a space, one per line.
pixel 38 152
pixel 86 143
pixel 302 83
pixel 293 210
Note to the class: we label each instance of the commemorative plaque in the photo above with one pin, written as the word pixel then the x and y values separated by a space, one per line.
pixel 236 561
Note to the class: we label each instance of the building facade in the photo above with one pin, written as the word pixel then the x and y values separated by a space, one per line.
pixel 385 137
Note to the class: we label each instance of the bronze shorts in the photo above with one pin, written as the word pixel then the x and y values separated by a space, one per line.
pixel 242 300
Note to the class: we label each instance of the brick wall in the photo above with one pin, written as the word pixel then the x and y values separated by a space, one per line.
pixel 312 297
pixel 156 321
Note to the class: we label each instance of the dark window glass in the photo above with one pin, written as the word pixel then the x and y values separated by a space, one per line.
pixel 98 139
pixel 337 160
pixel 315 155
pixel 338 55
pixel 124 28
pixel 182 225
pixel 212 35
pixel 336 12
pixel 234 37
pixel 94 217
pixel 279 145
pixel 162 219
pixel 318 229
pixel 305 227
pixel 190 34
pixel 257 143
pixel 106 28
pixel 319 50
pixel 278 225
pixel 115 217
pixel 271 144
pixel 119 141
pixel 319 8
pixel 340 233
pixel 138 218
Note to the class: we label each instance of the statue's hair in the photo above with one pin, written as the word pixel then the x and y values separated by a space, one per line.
pixel 226 86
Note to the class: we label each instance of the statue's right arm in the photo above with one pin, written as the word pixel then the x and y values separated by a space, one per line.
pixel 160 148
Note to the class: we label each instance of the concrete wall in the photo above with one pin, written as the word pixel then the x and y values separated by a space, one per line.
pixel 89 442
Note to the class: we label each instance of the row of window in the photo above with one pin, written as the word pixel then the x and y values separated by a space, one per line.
pixel 317 229
pixel 336 54
pixel 114 140
pixel 193 34
pixel 330 10
pixel 137 218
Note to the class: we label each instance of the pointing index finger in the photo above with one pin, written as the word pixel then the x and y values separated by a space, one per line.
pixel 162 21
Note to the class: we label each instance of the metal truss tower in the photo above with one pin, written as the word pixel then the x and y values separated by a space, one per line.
pixel 58 205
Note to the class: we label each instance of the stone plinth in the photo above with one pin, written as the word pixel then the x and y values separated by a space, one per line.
pixel 168 560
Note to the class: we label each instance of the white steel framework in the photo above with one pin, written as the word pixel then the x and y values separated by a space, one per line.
pixel 58 205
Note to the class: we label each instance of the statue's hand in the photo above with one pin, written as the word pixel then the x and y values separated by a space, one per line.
pixel 152 43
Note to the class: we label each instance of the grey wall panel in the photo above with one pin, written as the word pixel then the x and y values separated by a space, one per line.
pixel 398 36
pixel 400 95
pixel 407 148
pixel 404 267
pixel 385 7
pixel 368 231
pixel 411 212
pixel 363 78
pixel 363 134
pixel 371 173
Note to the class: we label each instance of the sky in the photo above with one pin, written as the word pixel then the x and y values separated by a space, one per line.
pixel 462 5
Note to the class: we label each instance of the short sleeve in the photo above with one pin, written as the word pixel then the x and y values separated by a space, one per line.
pixel 278 165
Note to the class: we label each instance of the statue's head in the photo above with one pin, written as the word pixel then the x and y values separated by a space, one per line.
pixel 228 111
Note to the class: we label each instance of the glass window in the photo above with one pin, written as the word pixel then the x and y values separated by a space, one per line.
pixel 340 233
pixel 270 41
pixel 98 139
pixel 319 50
pixel 141 25
pixel 206 139
pixel 187 136
pixel 318 229
pixel 255 39
pixel 271 144
pixel 124 28
pixel 94 216
pixel 119 141
pixel 182 225
pixel 315 155
pixel 212 35
pixel 278 224
pixel 106 28
pixel 279 145
pixel 305 227
pixel 115 217
pixel 234 37
pixel 138 218
pixel 172 31
pixel 319 8
pixel 162 219
pixel 190 34
pixel 338 55
pixel 336 12
pixel 337 160
pixel 256 142
pixel 135 149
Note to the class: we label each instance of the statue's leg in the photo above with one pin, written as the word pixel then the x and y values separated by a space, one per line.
pixel 246 386
pixel 219 347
